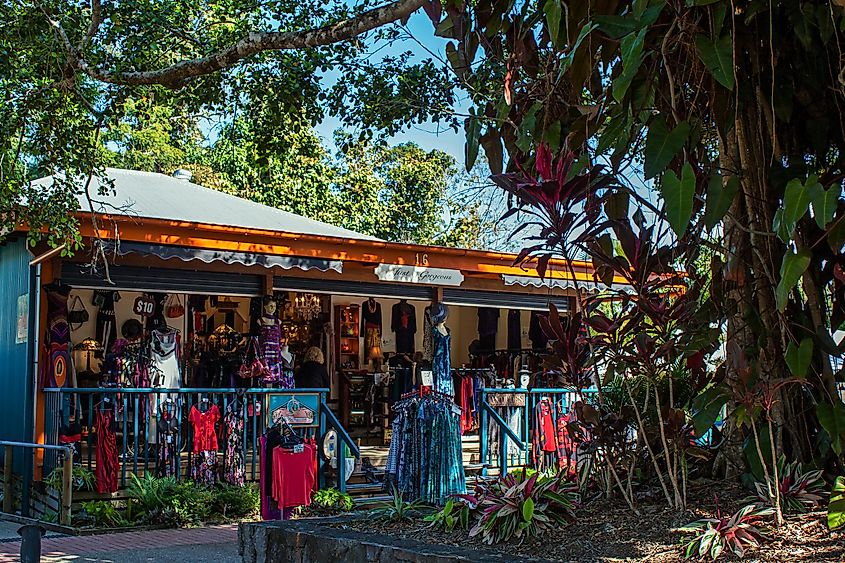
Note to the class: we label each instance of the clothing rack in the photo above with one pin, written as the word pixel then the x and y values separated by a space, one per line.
pixel 424 392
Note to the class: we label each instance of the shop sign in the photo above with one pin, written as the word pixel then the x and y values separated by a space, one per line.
pixel 144 306
pixel 297 409
pixel 418 274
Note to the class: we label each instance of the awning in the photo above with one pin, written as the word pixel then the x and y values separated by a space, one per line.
pixel 590 286
pixel 186 254
pixel 505 300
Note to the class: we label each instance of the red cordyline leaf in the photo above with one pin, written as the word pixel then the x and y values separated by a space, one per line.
pixel 544 162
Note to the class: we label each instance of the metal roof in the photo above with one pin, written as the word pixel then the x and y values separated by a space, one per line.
pixel 158 196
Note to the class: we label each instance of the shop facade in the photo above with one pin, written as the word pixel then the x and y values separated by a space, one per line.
pixel 194 270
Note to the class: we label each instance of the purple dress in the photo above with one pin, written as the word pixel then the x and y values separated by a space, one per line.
pixel 270 347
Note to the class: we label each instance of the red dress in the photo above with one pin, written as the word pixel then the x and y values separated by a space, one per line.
pixel 205 436
pixel 107 468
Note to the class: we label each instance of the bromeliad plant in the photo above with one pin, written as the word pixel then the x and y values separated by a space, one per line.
pixel 518 507
pixel 397 509
pixel 799 490
pixel 738 533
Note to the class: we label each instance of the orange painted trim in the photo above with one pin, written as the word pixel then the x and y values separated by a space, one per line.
pixel 239 239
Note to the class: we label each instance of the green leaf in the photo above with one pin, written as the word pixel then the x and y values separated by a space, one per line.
pixel 678 197
pixel 796 202
pixel 832 419
pixel 528 510
pixel 719 199
pixel 570 57
pixel 616 206
pixel 717 56
pixel 473 131
pixel 615 127
pixel 707 406
pixel 525 132
pixel 631 48
pixel 620 26
pixel 617 26
pixel 836 236
pixel 791 270
pixel 836 506
pixel 553 12
pixel 661 146
pixel 778 226
pixel 798 358
pixel 825 203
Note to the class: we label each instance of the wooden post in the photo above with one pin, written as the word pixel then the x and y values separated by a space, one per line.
pixel 8 485
pixel 67 488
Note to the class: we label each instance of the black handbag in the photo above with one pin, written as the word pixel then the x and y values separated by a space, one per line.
pixel 78 314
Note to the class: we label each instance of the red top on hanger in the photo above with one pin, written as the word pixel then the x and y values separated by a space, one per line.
pixel 205 436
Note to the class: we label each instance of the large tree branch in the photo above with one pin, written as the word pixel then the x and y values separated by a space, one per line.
pixel 94 26
pixel 177 74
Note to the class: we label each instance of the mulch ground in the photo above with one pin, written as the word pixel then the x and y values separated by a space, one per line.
pixel 607 530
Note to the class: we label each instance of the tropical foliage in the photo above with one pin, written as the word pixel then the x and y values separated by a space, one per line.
pixel 738 533
pixel 332 500
pixel 397 509
pixel 164 500
pixel 799 490
pixel 517 506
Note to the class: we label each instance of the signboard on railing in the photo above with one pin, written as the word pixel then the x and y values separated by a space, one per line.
pixel 297 409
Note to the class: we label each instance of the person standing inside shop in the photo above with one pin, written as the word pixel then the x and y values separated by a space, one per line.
pixel 312 373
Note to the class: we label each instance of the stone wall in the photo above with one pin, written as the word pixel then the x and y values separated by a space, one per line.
pixel 314 541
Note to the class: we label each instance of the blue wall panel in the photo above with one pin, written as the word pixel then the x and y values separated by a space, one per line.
pixel 15 393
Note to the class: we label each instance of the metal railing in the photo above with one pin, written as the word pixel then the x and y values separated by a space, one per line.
pixel 343 438
pixel 8 480
pixel 509 415
pixel 135 421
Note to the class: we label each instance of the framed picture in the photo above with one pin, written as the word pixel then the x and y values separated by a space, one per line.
pixel 297 409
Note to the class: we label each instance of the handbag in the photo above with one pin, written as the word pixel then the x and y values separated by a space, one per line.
pixel 78 314
pixel 256 367
pixel 174 308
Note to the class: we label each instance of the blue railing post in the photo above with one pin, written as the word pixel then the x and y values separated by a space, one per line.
pixel 321 433
pixel 482 434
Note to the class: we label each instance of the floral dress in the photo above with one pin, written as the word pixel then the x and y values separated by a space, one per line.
pixel 204 464
pixel 233 461
pixel 168 430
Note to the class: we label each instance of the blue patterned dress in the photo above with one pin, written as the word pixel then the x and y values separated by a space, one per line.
pixel 441 367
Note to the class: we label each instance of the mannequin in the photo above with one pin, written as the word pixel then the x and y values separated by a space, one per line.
pixel 269 317
pixel 370 325
pixel 286 355
pixel 403 323
pixel 270 347
pixel 442 338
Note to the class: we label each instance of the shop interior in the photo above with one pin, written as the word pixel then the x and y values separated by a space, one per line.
pixel 374 349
